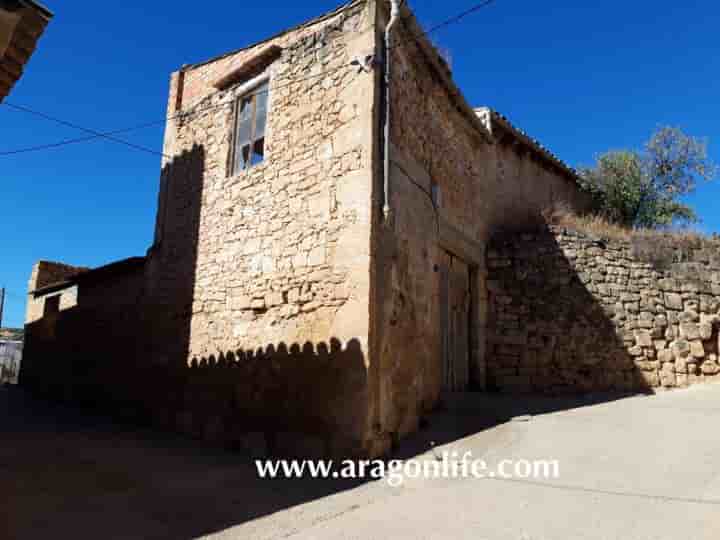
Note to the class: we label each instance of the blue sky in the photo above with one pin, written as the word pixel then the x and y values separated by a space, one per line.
pixel 582 77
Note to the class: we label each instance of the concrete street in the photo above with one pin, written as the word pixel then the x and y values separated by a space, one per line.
pixel 633 468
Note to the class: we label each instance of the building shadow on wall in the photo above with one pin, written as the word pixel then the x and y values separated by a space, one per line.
pixel 173 263
pixel 553 344
pixel 299 400
pixel 277 401
pixel 555 324
pixel 131 365
pixel 125 343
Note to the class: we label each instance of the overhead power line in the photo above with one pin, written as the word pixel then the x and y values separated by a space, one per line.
pixel 78 140
pixel 95 134
pixel 111 135
pixel 459 17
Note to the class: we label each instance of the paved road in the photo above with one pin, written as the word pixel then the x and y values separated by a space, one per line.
pixel 636 468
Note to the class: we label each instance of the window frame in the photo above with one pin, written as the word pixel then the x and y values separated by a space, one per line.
pixel 262 85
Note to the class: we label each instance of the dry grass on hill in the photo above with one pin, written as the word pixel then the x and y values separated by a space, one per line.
pixel 661 248
pixel 598 226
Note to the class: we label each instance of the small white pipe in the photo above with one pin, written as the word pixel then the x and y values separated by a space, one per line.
pixel 394 16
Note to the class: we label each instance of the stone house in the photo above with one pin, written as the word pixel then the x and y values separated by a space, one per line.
pixel 311 280
pixel 22 23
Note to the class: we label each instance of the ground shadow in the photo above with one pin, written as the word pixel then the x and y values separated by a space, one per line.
pixel 129 332
pixel 308 400
pixel 67 472
pixel 302 401
pixel 122 355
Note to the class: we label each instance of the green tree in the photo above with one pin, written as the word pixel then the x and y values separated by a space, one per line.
pixel 645 188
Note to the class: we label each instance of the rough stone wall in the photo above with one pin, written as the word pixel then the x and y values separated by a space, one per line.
pixel 279 254
pixel 485 185
pixel 571 313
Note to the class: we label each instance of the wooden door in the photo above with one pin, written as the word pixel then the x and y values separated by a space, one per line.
pixel 455 323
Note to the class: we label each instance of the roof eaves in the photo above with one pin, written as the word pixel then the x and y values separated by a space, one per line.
pixel 101 272
pixel 40 8
pixel 53 287
pixel 443 72
pixel 320 18
pixel 489 116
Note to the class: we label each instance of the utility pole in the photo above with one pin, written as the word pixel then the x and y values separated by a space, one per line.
pixel 2 304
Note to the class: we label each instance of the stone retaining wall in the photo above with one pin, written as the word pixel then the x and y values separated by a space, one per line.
pixel 569 312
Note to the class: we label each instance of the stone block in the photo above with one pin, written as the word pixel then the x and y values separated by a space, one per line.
pixel 240 303
pixel 649 379
pixel 319 205
pixel 274 299
pixel 706 331
pixel 709 305
pixel 341 292
pixel 673 301
pixel 689 316
pixel 294 295
pixel 643 338
pixel 710 368
pixel 689 331
pixel 644 365
pixel 681 348
pixel 316 256
pixel 667 376
pixel 696 349
pixel 681 365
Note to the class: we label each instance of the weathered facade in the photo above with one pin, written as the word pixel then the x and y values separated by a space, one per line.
pixel 293 293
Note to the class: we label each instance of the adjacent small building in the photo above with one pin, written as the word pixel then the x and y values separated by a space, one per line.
pixel 317 278
pixel 11 346
pixel 22 23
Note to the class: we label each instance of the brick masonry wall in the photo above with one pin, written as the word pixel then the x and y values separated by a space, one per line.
pixel 573 313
